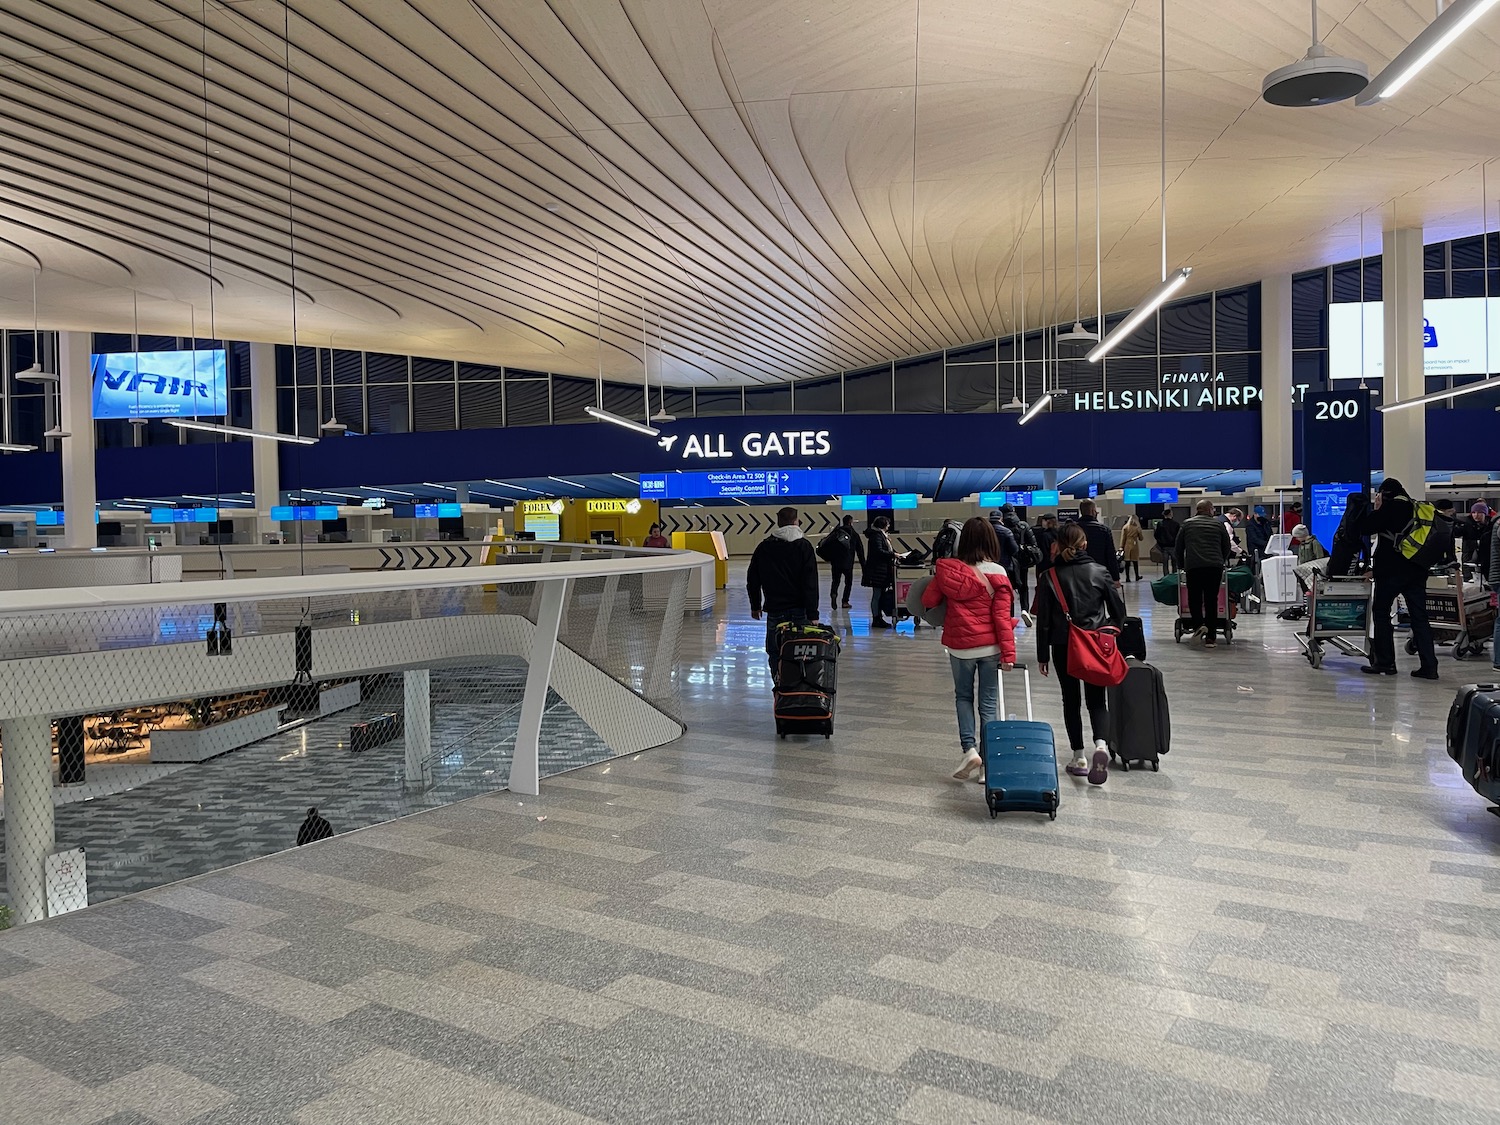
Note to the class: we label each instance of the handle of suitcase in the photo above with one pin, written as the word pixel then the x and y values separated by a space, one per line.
pixel 1026 672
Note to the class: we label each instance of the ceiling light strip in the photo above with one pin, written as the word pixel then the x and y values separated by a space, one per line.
pixel 617 420
pixel 1442 396
pixel 238 431
pixel 1435 38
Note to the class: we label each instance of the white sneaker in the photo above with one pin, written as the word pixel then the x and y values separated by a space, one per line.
pixel 1029 618
pixel 972 762
pixel 1079 766
pixel 1100 744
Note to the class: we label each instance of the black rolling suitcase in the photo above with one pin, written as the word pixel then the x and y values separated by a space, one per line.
pixel 806 679
pixel 1133 638
pixel 1458 716
pixel 1140 722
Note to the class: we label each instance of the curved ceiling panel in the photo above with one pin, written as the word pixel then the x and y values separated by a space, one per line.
pixel 776 188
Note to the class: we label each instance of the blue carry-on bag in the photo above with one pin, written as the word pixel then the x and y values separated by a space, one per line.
pixel 1020 762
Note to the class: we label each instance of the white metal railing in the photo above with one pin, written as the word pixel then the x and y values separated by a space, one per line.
pixel 600 627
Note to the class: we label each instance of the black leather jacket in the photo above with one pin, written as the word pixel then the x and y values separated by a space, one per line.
pixel 1092 599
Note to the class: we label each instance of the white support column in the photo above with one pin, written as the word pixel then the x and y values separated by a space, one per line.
pixel 1405 430
pixel 79 495
pixel 265 468
pixel 1276 380
pixel 29 823
pixel 525 766
pixel 417 723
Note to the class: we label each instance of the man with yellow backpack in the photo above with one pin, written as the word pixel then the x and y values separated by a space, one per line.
pixel 1410 536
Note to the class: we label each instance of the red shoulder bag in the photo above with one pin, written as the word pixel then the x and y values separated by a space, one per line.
pixel 1093 654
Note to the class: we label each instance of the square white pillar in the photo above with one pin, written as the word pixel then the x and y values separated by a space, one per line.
pixel 1405 430
pixel 1276 381
pixel 264 464
pixel 74 350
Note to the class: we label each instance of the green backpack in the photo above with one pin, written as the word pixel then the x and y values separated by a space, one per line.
pixel 1426 540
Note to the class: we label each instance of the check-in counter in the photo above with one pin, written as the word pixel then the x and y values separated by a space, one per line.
pixel 62 569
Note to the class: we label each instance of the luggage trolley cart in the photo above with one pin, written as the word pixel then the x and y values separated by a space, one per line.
pixel 1460 613
pixel 1228 608
pixel 1338 610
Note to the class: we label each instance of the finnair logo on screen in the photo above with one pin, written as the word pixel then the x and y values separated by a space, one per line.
pixel 159 384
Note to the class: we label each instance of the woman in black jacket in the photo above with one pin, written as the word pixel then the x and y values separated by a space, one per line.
pixel 879 574
pixel 1093 602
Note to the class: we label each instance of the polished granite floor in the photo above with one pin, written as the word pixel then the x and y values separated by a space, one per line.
pixel 1296 921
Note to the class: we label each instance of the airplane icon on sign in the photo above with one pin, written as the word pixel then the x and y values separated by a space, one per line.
pixel 667 442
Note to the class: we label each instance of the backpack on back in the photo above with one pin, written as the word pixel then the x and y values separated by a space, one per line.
pixel 1427 538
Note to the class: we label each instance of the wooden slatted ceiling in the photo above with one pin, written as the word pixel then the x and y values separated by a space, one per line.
pixel 757 175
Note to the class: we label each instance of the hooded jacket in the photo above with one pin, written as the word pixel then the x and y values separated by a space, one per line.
pixel 976 623
pixel 1102 546
pixel 1092 598
pixel 784 574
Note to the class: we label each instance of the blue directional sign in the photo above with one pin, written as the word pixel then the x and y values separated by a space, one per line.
pixel 1149 495
pixel 880 502
pixel 745 484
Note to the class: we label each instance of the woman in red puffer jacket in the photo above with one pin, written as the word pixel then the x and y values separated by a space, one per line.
pixel 978 629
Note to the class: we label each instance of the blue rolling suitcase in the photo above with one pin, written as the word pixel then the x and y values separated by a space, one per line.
pixel 1020 762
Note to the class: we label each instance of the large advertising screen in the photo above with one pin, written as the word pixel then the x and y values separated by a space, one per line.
pixel 1453 338
pixel 183 384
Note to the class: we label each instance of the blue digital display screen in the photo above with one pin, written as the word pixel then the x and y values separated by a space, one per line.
pixel 1093 491
pixel 745 484
pixel 437 511
pixel 880 502
pixel 1036 498
pixel 49 519
pixel 1328 503
pixel 304 513
pixel 184 515
pixel 1150 495
pixel 179 384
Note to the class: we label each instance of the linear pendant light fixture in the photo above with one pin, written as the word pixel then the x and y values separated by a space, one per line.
pixel 238 431
pixel 15 447
pixel 1442 396
pixel 617 420
pixel 1435 38
pixel 1170 282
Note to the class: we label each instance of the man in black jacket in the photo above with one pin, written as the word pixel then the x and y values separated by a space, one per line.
pixel 1027 556
pixel 783 579
pixel 1203 550
pixel 1390 513
pixel 314 828
pixel 1167 530
pixel 842 549
pixel 1101 539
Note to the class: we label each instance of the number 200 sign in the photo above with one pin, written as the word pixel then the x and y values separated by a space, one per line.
pixel 1337 409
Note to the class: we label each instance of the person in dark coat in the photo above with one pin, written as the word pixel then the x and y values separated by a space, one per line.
pixel 1391 511
pixel 842 549
pixel 1093 600
pixel 1204 548
pixel 314 828
pixel 1258 531
pixel 783 579
pixel 1101 539
pixel 879 573
pixel 1477 530
pixel 1026 556
pixel 1166 532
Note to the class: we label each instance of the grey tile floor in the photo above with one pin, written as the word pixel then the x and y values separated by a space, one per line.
pixel 1294 922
